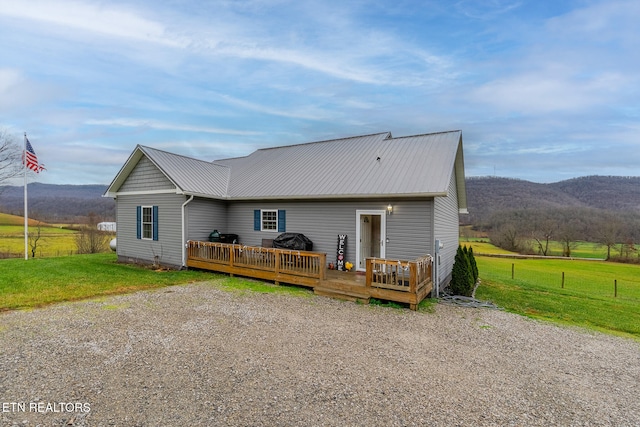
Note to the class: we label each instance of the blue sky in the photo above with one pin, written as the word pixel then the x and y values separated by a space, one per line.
pixel 542 90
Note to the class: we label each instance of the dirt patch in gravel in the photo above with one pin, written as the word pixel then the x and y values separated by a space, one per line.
pixel 196 355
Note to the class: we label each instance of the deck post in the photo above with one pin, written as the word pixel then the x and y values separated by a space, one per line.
pixel 232 257
pixel 413 276
pixel 277 254
pixel 369 272
pixel 323 266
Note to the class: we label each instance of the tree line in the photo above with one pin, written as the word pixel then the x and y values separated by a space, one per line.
pixel 531 231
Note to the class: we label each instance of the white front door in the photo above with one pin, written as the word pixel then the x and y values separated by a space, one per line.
pixel 370 236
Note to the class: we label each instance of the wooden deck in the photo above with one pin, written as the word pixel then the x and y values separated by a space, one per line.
pixel 406 282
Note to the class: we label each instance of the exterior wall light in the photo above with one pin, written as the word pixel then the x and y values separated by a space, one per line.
pixel 389 209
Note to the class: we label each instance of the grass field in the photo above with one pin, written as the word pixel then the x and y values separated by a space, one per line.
pixel 483 246
pixel 55 240
pixel 42 281
pixel 532 287
pixel 50 245
pixel 587 299
pixel 582 249
pixel 7 219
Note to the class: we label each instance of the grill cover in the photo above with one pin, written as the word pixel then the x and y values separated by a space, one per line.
pixel 294 241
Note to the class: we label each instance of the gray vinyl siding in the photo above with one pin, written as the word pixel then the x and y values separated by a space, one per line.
pixel 408 228
pixel 446 229
pixel 168 247
pixel 204 216
pixel 146 177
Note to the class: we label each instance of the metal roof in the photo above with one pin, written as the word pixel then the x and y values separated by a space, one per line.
pixel 189 175
pixel 361 166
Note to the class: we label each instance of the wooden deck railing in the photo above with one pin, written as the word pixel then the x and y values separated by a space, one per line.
pixel 393 280
pixel 279 265
pixel 389 279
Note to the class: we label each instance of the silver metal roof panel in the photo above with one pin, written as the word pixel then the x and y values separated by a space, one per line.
pixel 190 175
pixel 363 166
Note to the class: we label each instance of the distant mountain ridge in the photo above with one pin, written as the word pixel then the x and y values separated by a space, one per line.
pixel 616 193
pixel 486 195
pixel 51 202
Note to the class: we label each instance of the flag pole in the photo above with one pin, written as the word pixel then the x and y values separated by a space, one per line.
pixel 26 216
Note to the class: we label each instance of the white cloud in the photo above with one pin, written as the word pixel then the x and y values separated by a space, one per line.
pixel 485 9
pixel 163 125
pixel 17 91
pixel 364 59
pixel 304 112
pixel 548 91
pixel 572 63
pixel 11 82
pixel 94 18
pixel 600 22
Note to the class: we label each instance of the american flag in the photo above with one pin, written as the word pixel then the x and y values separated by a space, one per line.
pixel 31 160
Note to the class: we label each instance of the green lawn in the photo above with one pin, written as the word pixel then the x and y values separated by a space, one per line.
pixel 587 299
pixel 41 281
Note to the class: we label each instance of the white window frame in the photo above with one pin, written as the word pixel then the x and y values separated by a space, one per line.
pixel 274 220
pixel 143 232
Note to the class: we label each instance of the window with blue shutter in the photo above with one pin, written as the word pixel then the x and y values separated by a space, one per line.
pixel 269 220
pixel 256 220
pixel 147 222
pixel 139 222
pixel 155 223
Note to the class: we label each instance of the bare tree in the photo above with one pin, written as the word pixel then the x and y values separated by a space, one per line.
pixel 507 236
pixel 627 249
pixel 10 164
pixel 609 233
pixel 542 233
pixel 34 238
pixel 89 239
pixel 568 235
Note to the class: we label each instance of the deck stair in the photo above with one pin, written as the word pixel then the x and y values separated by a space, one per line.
pixel 343 285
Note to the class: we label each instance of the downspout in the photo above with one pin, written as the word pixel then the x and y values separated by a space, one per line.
pixel 184 243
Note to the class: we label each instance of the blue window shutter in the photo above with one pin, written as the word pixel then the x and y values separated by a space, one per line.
pixel 138 222
pixel 155 223
pixel 256 220
pixel 282 221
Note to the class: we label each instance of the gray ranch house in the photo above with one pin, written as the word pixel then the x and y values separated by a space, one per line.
pixel 396 198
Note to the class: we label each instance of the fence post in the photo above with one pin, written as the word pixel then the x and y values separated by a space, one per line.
pixel 513 270
pixel 563 280
pixel 615 288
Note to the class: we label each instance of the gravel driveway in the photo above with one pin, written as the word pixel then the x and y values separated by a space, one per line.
pixel 198 356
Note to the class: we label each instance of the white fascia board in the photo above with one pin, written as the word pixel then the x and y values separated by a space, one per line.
pixel 143 192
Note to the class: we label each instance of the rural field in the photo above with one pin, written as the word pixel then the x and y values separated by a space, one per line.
pixel 603 296
pixel 53 240
pixel 595 294
pixel 582 249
